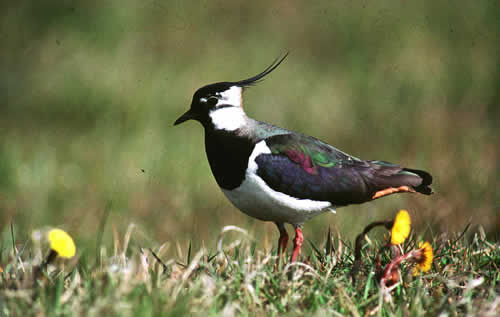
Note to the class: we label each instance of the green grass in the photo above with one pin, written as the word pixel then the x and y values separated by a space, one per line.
pixel 236 278
pixel 92 92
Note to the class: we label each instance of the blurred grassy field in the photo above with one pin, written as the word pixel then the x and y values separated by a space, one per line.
pixel 90 89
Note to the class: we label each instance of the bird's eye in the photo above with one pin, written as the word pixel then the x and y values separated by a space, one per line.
pixel 212 101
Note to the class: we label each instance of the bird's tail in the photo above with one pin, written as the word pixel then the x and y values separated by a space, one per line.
pixel 387 178
pixel 426 181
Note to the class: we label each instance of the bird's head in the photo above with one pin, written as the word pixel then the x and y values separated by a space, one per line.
pixel 220 106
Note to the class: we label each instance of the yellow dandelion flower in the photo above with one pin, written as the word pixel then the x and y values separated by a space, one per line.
pixel 424 259
pixel 62 243
pixel 401 227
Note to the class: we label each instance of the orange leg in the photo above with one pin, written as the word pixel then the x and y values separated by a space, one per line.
pixel 297 243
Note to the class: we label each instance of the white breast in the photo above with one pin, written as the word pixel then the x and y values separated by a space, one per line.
pixel 258 200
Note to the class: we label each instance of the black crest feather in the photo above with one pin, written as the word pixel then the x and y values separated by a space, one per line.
pixel 259 77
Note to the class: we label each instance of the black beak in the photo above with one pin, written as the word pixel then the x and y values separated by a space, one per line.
pixel 185 117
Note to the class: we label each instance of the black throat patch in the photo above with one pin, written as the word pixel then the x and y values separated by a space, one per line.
pixel 228 156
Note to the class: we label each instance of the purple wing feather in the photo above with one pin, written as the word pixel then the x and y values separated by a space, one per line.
pixel 306 168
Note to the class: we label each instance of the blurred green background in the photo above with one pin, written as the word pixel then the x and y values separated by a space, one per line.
pixel 90 89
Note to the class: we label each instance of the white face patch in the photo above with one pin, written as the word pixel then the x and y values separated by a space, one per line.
pixel 227 113
pixel 232 97
pixel 228 118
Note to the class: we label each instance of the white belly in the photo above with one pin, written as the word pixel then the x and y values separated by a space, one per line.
pixel 258 200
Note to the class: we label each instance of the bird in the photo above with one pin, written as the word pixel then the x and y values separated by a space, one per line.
pixel 277 175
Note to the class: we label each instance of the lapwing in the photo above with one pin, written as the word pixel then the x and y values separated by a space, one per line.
pixel 282 176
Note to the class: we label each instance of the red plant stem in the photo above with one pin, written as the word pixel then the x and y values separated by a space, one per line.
pixel 359 244
pixel 394 264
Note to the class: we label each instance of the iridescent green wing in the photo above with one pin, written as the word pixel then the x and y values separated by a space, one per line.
pixel 308 152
